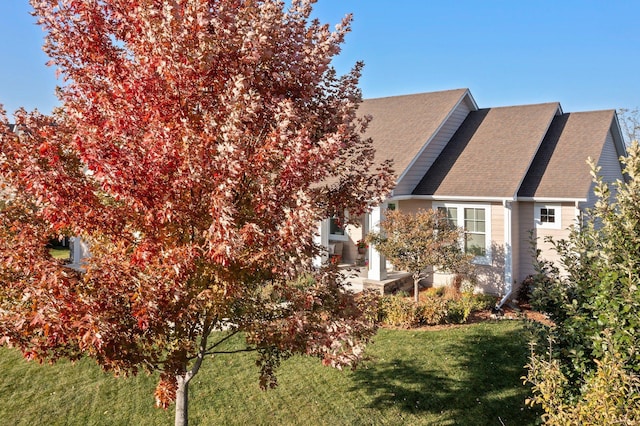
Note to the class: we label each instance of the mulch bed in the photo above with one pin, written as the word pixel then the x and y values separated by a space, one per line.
pixel 523 311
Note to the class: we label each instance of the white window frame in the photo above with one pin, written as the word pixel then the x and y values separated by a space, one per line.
pixel 537 215
pixel 480 260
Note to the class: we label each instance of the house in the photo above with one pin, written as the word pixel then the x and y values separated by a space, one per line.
pixel 503 174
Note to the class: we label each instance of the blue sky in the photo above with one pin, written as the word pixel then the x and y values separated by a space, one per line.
pixel 582 53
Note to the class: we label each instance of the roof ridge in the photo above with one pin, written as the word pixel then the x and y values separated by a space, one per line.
pixel 461 89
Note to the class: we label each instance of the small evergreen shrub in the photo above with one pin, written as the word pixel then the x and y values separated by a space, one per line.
pixel 523 295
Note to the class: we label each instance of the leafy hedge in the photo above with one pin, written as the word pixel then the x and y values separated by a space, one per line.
pixel 442 305
pixel 587 369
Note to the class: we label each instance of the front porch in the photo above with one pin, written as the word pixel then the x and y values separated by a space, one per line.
pixel 344 245
pixel 357 280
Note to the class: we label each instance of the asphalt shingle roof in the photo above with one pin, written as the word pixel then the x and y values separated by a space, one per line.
pixel 490 153
pixel 401 125
pixel 559 169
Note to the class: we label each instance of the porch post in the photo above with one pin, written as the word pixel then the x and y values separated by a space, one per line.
pixel 377 262
pixel 321 238
pixel 79 252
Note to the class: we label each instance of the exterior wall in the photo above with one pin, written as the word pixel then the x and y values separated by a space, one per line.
pixel 490 276
pixel 425 159
pixel 412 206
pixel 610 171
pixel 527 228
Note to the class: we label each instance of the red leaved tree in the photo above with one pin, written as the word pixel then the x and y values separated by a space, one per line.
pixel 421 242
pixel 197 145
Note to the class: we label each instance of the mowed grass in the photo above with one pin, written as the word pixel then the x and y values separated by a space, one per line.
pixel 59 253
pixel 467 375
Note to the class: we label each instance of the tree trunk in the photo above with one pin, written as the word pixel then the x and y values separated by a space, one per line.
pixel 182 401
pixel 416 288
pixel 182 393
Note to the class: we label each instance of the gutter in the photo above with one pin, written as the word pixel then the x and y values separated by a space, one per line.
pixel 447 198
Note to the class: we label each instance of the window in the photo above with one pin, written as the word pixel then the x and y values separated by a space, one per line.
pixel 475 232
pixel 548 216
pixel 473 219
pixel 337 231
pixel 334 227
pixel 451 213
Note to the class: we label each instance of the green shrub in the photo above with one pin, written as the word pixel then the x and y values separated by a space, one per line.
pixel 593 298
pixel 432 310
pixel 609 395
pixel 459 310
pixel 398 311
pixel 434 291
pixel 436 306
pixel 484 302
pixel 455 312
pixel 523 295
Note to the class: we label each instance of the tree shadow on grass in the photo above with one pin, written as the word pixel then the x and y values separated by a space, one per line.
pixel 475 380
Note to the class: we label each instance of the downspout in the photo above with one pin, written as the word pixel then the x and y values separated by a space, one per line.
pixel 508 255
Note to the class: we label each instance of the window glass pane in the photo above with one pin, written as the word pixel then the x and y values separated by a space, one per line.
pixel 473 214
pixel 475 244
pixel 335 228
pixel 474 220
pixel 451 213
pixel 547 215
pixel 474 225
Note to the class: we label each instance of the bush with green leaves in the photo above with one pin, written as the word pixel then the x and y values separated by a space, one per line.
pixel 592 293
pixel 398 311
pixel 432 310
pixel 610 394
pixel 439 306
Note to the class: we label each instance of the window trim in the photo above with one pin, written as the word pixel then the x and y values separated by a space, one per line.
pixel 480 260
pixel 537 215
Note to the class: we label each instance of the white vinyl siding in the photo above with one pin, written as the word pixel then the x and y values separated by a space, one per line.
pixel 430 153
pixel 610 171
pixel 527 228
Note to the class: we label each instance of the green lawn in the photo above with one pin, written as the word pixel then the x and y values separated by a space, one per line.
pixel 459 376
pixel 59 253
